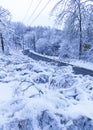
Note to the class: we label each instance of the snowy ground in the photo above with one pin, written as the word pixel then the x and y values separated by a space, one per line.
pixel 42 92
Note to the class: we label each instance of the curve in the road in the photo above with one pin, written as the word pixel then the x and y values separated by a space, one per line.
pixel 76 69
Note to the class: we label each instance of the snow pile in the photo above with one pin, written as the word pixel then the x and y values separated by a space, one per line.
pixel 36 95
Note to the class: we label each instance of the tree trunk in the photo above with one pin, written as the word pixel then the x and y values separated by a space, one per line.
pixel 2 42
pixel 80 32
pixel 34 44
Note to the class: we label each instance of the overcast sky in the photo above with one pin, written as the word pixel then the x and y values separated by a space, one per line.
pixel 19 8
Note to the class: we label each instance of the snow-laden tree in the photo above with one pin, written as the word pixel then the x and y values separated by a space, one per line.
pixel 33 39
pixel 74 15
pixel 54 39
pixel 4 15
pixel 43 46
pixel 4 21
pixel 18 34
pixel 30 40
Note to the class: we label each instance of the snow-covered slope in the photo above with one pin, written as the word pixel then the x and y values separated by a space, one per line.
pixel 36 95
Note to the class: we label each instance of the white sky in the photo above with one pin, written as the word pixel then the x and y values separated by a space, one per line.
pixel 18 9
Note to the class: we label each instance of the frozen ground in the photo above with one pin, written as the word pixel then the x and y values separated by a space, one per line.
pixel 36 95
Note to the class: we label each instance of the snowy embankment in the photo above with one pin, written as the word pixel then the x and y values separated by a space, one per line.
pixel 36 95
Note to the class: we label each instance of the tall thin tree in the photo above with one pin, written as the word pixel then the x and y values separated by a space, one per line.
pixel 4 17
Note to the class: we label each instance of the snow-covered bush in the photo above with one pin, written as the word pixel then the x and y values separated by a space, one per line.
pixel 25 124
pixel 43 46
pixel 82 123
pixel 30 40
pixel 29 66
pixel 63 81
pixel 47 122
pixel 41 78
pixel 69 49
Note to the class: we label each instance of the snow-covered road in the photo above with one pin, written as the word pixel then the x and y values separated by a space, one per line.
pixel 79 67
pixel 30 88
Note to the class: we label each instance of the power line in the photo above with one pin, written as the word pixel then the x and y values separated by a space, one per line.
pixel 41 11
pixel 28 10
pixel 35 9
